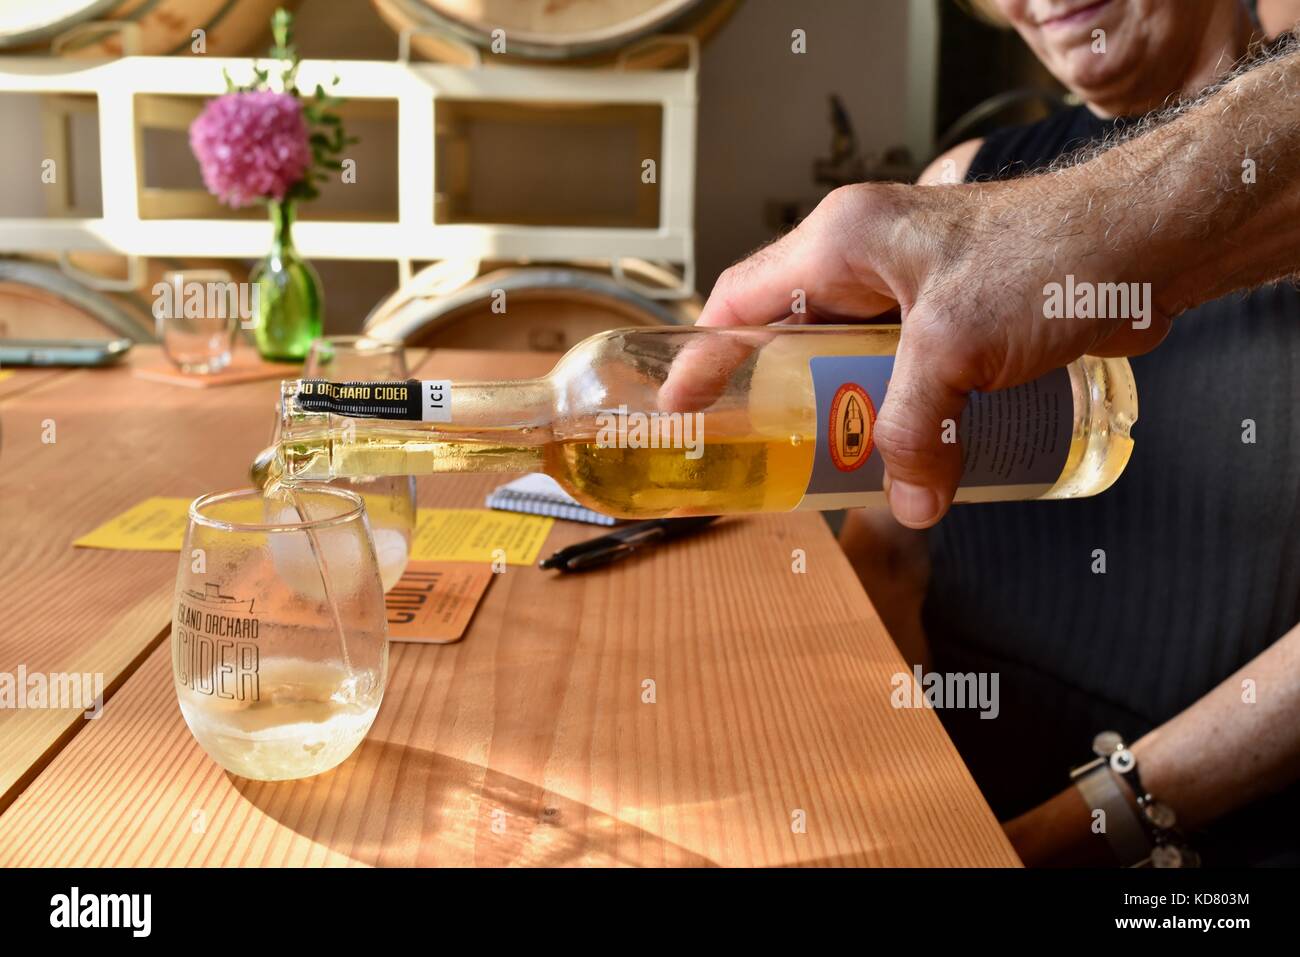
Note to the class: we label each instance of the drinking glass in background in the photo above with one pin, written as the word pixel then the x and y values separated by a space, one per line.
pixel 390 499
pixel 356 359
pixel 279 633
pixel 197 322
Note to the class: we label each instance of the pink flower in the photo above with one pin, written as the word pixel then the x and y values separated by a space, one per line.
pixel 251 146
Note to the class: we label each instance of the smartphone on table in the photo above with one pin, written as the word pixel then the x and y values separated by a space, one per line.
pixel 62 352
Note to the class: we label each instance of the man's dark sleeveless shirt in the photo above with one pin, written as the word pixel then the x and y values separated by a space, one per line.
pixel 1201 542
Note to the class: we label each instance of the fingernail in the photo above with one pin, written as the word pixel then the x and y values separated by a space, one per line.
pixel 913 505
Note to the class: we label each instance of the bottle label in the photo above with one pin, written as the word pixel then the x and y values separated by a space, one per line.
pixel 1014 443
pixel 412 400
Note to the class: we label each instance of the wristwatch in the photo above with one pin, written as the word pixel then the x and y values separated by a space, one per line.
pixel 1147 837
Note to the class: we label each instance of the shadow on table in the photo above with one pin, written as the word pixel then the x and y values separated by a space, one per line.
pixel 400 806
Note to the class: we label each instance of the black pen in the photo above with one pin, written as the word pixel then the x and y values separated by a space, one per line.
pixel 623 542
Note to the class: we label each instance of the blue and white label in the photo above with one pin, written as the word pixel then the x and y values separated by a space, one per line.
pixel 1014 443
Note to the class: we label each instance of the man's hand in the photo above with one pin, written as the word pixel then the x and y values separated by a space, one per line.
pixel 966 268
pixel 1204 202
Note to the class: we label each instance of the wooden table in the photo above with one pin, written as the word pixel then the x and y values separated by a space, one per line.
pixel 527 743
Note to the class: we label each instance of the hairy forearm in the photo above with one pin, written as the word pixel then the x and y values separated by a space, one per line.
pixel 1207 200
pixel 1238 743
pixel 1199 202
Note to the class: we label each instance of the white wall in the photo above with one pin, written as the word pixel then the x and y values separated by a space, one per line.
pixel 764 111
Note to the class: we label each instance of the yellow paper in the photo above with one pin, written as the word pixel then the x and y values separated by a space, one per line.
pixel 441 534
pixel 475 535
pixel 158 525
pixel 155 525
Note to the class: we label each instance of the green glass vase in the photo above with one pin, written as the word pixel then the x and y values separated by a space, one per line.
pixel 289 302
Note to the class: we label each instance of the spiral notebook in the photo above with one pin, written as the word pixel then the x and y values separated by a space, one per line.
pixel 538 494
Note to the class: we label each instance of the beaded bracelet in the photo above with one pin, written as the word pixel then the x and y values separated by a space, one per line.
pixel 1165 844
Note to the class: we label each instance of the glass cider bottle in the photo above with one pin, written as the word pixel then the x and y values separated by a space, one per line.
pixel 644 423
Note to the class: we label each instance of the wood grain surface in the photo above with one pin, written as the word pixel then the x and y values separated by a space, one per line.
pixel 116 441
pixel 14 380
pixel 529 742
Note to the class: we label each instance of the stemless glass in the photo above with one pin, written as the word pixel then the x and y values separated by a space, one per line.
pixel 279 634
pixel 355 359
pixel 197 328
pixel 390 499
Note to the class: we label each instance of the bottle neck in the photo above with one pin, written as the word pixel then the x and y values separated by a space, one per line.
pixel 490 427
pixel 282 220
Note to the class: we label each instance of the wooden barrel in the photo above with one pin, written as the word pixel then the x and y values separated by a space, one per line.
pixel 138 303
pixel 590 32
pixel 130 311
pixel 230 27
pixel 40 302
pixel 546 308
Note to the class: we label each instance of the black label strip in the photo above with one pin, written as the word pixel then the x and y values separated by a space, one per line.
pixel 365 400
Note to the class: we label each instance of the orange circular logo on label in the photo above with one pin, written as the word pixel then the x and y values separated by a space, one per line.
pixel 853 418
